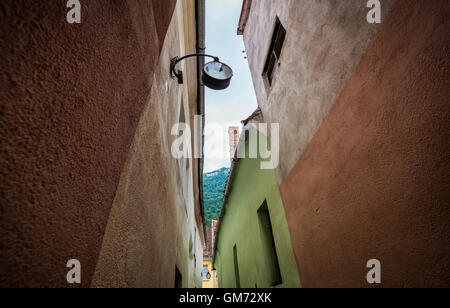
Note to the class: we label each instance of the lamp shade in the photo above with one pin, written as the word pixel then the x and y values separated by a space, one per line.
pixel 217 75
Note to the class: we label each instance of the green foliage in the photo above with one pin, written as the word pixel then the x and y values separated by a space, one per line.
pixel 213 189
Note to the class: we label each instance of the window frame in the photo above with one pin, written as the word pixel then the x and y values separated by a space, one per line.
pixel 273 58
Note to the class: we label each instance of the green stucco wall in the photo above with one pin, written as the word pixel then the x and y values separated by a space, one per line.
pixel 240 226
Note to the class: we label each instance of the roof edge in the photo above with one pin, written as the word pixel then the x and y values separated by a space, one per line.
pixel 245 13
pixel 228 188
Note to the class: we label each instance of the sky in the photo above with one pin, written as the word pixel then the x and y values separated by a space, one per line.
pixel 231 106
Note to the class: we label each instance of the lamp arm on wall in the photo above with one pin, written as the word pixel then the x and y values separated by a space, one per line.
pixel 179 74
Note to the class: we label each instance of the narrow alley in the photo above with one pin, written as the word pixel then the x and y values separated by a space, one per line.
pixel 215 144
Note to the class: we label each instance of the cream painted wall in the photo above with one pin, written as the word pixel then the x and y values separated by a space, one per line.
pixel 155 224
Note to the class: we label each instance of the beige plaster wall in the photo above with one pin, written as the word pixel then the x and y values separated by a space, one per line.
pixel 154 221
pixel 324 44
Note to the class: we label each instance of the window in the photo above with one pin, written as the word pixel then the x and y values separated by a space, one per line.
pixel 182 122
pixel 183 161
pixel 236 268
pixel 274 55
pixel 195 247
pixel 268 243
pixel 178 279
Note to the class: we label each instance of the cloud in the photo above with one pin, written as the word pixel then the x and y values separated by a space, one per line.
pixel 220 10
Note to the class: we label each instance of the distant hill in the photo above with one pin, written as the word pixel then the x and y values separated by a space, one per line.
pixel 213 188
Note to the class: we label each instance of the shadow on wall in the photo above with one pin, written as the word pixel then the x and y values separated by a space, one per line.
pixel 72 97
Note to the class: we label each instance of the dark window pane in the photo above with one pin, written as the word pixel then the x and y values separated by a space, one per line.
pixel 276 46
pixel 271 69
pixel 280 41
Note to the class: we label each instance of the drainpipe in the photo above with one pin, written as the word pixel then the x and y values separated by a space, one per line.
pixel 200 8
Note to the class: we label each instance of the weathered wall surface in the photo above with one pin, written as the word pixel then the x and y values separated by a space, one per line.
pixel 324 44
pixel 240 226
pixel 373 183
pixel 152 227
pixel 71 98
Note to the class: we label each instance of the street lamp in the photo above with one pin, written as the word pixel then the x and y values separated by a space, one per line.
pixel 216 75
pixel 206 274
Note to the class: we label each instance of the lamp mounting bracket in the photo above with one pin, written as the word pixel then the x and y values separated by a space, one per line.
pixel 179 74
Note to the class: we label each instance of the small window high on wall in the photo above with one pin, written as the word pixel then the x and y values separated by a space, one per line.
pixel 273 58
pixel 268 244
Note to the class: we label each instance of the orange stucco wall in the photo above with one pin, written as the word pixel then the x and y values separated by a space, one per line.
pixel 373 182
pixel 72 96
